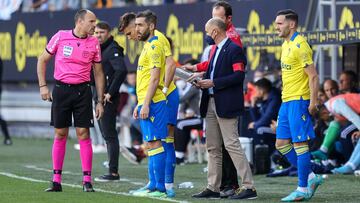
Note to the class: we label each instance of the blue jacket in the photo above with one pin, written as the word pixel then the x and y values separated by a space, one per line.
pixel 267 111
pixel 228 79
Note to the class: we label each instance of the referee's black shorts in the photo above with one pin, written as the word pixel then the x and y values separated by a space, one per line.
pixel 72 100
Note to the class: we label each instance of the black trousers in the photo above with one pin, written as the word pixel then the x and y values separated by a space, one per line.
pixel 229 174
pixel 182 132
pixel 108 128
pixel 4 128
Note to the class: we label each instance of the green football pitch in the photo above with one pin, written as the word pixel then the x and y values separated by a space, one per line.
pixel 25 171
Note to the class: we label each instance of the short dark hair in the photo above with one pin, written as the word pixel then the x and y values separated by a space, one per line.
pixel 103 25
pixel 125 20
pixel 353 77
pixel 80 14
pixel 289 15
pixel 150 17
pixel 264 84
pixel 227 7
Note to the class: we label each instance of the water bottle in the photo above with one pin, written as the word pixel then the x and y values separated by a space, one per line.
pixel 186 185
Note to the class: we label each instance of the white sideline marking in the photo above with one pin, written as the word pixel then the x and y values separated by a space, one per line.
pixel 78 174
pixel 10 175
pixel 50 171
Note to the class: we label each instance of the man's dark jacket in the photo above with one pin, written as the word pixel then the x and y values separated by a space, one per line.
pixel 228 79
pixel 112 60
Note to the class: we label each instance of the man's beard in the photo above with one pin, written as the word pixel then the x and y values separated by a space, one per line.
pixel 145 36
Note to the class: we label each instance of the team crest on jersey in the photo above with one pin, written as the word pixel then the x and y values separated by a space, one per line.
pixel 155 57
pixel 303 117
pixel 67 51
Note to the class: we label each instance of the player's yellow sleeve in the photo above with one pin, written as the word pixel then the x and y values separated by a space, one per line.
pixel 305 54
pixel 156 56
pixel 164 42
pixel 167 48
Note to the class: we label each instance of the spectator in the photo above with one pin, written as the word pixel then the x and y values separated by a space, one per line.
pixel 331 88
pixel 264 109
pixel 322 98
pixel 348 82
pixel 347 106
pixel 55 5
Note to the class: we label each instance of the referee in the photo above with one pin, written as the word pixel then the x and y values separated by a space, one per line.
pixel 76 51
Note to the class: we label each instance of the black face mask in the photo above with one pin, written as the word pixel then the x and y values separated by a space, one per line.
pixel 209 40
pixel 145 36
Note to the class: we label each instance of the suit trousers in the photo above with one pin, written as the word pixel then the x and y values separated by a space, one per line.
pixel 219 131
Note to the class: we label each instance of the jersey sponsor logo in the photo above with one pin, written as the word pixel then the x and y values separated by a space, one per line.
pixel 67 51
pixel 285 66
pixel 140 68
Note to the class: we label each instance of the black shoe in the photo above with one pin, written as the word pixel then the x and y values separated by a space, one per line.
pixel 243 193
pixel 108 178
pixel 87 187
pixel 7 141
pixel 207 194
pixel 54 187
pixel 180 161
pixel 227 192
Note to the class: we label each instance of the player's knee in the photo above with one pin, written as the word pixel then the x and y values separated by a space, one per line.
pixel 61 133
pixel 82 133
pixel 280 143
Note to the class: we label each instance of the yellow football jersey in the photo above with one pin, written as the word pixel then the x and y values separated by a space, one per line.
pixel 152 56
pixel 296 54
pixel 167 49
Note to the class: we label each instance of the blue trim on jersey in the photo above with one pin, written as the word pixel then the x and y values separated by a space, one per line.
pixel 172 106
pixel 294 36
pixel 295 122
pixel 155 126
pixel 153 38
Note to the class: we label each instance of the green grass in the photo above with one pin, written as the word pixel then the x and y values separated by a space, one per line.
pixel 37 152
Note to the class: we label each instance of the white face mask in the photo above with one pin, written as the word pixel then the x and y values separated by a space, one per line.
pixel 180 84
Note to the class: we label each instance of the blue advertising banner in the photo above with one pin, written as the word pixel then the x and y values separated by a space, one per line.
pixel 25 36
